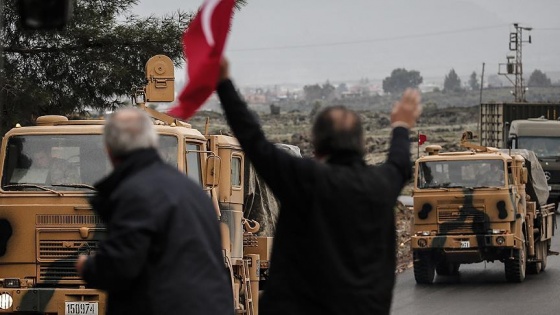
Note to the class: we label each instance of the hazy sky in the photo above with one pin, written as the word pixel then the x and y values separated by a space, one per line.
pixel 309 41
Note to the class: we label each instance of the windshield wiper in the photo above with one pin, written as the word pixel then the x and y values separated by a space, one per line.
pixel 75 186
pixel 25 185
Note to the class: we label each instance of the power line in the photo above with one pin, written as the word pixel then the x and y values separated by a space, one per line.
pixel 382 39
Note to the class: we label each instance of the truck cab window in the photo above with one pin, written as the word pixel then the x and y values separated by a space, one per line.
pixel 168 149
pixel 193 162
pixel 458 174
pixel 236 171
pixel 66 162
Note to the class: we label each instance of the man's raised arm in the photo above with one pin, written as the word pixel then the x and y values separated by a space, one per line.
pixel 277 167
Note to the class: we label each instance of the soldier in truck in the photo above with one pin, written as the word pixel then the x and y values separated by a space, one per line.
pixel 57 171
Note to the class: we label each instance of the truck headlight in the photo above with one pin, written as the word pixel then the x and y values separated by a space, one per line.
pixel 6 301
pixel 500 240
pixel 422 242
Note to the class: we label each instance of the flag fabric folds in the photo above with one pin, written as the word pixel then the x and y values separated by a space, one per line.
pixel 203 45
pixel 421 139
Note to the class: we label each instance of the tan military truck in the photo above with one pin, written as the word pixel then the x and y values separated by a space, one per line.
pixel 47 173
pixel 482 204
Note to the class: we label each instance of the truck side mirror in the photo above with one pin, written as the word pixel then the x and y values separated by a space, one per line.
pixel 524 176
pixel 212 172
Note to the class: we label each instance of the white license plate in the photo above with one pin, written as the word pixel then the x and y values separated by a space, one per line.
pixel 81 308
pixel 465 244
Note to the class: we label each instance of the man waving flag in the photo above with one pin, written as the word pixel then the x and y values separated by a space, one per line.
pixel 203 44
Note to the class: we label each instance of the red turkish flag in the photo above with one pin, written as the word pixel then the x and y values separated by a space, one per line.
pixel 421 139
pixel 203 44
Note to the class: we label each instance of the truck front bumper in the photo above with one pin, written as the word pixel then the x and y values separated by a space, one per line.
pixel 464 242
pixel 52 301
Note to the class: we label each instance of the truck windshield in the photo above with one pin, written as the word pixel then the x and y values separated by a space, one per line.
pixel 168 149
pixel 542 146
pixel 58 162
pixel 461 174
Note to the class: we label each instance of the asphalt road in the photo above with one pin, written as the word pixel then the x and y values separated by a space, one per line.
pixel 482 289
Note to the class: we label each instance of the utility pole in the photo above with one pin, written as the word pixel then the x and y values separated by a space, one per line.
pixel 514 65
pixel 479 122
pixel 2 75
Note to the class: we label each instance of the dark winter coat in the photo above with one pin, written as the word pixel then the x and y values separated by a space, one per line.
pixel 334 248
pixel 162 253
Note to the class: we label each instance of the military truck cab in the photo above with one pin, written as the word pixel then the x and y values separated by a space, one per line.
pixel 47 173
pixel 478 205
pixel 541 136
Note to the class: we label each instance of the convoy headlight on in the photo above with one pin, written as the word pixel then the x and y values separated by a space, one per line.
pixel 6 301
pixel 500 240
pixel 422 242
pixel 496 231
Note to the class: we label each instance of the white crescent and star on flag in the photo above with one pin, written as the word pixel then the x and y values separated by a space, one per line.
pixel 207 12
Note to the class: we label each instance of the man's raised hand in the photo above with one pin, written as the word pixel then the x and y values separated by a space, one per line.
pixel 406 111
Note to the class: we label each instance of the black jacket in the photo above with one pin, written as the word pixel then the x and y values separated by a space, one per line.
pixel 162 254
pixel 334 248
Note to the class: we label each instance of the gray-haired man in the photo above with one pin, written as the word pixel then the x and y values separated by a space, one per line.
pixel 162 254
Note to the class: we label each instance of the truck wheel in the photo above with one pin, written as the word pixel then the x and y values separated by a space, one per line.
pixel 544 250
pixel 515 268
pixel 444 268
pixel 534 268
pixel 424 269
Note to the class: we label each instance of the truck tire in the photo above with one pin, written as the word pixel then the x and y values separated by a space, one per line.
pixel 424 269
pixel 544 249
pixel 534 268
pixel 515 268
pixel 444 268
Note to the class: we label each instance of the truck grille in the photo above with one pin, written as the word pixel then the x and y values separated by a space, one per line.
pixel 58 249
pixel 58 257
pixel 55 250
pixel 64 219
pixel 59 272
pixel 554 176
pixel 453 221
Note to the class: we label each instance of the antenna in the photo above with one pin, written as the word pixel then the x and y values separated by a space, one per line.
pixel 514 65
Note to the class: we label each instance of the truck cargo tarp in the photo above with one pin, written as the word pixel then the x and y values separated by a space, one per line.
pixel 260 203
pixel 537 187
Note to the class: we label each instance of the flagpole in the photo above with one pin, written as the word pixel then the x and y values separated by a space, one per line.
pixel 418 147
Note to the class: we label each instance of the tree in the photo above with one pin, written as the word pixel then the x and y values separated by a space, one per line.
pixel 538 78
pixel 312 92
pixel 94 62
pixel 473 82
pixel 318 92
pixel 400 80
pixel 452 82
pixel 341 88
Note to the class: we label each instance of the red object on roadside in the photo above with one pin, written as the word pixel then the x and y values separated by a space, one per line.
pixel 421 139
pixel 203 45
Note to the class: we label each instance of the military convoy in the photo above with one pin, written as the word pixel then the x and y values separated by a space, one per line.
pixel 482 204
pixel 516 126
pixel 46 220
pixel 541 136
